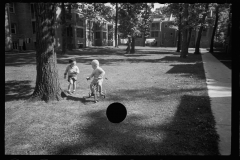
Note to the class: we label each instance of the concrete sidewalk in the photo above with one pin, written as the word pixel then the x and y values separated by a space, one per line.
pixel 218 79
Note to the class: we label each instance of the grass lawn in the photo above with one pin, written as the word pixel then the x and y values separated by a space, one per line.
pixel 168 108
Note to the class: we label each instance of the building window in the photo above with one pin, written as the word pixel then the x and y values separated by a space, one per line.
pixel 34 27
pixel 104 35
pixel 154 34
pixel 33 13
pixel 110 28
pixel 11 8
pixel 14 28
pixel 155 26
pixel 171 34
pixel 79 20
pixel 80 32
pixel 104 26
pixel 15 45
pixel 97 35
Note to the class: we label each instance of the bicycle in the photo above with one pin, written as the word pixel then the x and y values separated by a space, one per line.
pixel 95 92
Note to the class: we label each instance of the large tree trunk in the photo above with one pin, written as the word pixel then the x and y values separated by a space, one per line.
pixel 214 30
pixel 47 83
pixel 70 27
pixel 64 35
pixel 184 51
pixel 8 37
pixel 229 49
pixel 189 36
pixel 198 41
pixel 133 45
pixel 200 31
pixel 116 27
pixel 179 34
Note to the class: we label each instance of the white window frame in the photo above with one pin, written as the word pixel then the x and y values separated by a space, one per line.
pixel 12 7
pixel 15 28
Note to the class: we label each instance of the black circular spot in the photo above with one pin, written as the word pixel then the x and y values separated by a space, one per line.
pixel 116 112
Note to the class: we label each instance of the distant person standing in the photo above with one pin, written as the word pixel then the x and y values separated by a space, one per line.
pixel 129 44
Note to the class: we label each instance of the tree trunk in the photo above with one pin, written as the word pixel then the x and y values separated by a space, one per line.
pixel 189 36
pixel 198 41
pixel 70 27
pixel 47 83
pixel 179 34
pixel 116 27
pixel 214 30
pixel 133 45
pixel 184 48
pixel 144 39
pixel 64 35
pixel 229 51
pixel 200 31
pixel 8 36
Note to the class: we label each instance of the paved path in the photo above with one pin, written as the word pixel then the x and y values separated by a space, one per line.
pixel 218 78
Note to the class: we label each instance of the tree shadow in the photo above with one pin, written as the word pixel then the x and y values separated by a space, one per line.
pixel 20 59
pixel 190 132
pixel 108 61
pixel 79 99
pixel 188 70
pixel 192 58
pixel 16 90
pixel 153 94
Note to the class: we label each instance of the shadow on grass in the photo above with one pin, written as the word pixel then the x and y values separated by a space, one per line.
pixel 20 59
pixel 116 61
pixel 191 132
pixel 188 70
pixel 16 90
pixel 80 99
pixel 153 94
pixel 192 58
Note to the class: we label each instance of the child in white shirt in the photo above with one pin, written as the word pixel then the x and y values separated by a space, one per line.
pixel 72 70
pixel 97 74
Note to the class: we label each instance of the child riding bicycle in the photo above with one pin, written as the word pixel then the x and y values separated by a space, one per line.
pixel 97 74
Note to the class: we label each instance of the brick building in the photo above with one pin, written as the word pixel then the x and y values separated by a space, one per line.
pixel 20 29
pixel 21 25
pixel 160 31
pixel 166 36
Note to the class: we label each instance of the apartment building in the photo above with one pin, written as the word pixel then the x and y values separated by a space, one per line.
pixel 20 23
pixel 166 35
pixel 20 29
